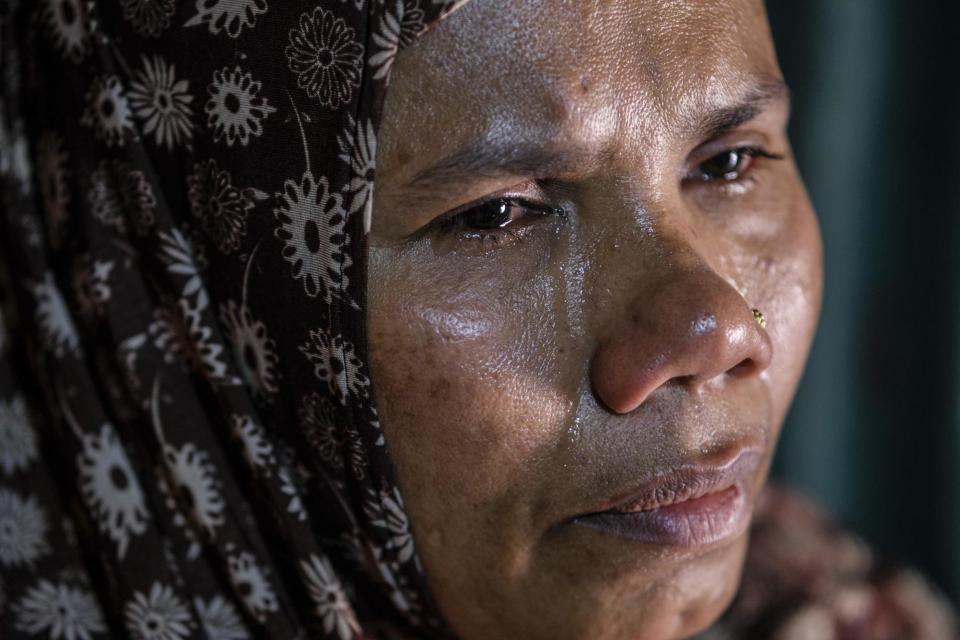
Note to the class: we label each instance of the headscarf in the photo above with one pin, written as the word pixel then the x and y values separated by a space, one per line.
pixel 189 446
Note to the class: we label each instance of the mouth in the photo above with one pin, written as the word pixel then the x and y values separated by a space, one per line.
pixel 690 506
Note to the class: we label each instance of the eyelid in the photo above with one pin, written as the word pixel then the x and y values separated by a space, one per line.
pixel 530 191
pixel 452 218
pixel 756 148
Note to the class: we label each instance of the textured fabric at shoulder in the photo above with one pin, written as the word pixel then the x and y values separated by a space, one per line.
pixel 806 578
pixel 188 442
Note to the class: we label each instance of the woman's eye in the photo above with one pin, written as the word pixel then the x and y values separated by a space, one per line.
pixel 731 164
pixel 495 219
pixel 494 214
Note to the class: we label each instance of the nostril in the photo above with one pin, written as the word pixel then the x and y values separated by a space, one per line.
pixel 746 367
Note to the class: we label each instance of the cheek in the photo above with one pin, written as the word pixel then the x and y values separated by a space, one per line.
pixel 470 386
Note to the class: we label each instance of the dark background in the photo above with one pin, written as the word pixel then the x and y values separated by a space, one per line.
pixel 875 430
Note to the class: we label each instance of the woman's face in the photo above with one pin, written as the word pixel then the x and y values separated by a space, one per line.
pixel 578 206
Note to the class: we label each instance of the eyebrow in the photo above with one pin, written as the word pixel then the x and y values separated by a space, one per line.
pixel 764 91
pixel 492 158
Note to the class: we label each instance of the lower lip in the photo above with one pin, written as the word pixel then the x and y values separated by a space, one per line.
pixel 700 522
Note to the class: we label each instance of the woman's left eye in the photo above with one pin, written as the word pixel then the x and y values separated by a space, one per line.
pixel 730 165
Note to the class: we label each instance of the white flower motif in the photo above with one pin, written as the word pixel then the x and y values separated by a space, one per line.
pixel 59 332
pixel 67 20
pixel 18 440
pixel 15 153
pixel 31 234
pixel 332 606
pixel 398 28
pixel 405 598
pixel 52 178
pixel 23 530
pixel 162 101
pixel 231 16
pixel 110 488
pixel 360 153
pixel 252 585
pixel 335 362
pixel 312 222
pixel 220 206
pixel 178 518
pixel 326 57
pixel 91 287
pixel 119 193
pixel 386 511
pixel 254 351
pixel 318 422
pixel 236 110
pixel 220 619
pixel 375 424
pixel 108 111
pixel 149 17
pixel 257 449
pixel 60 612
pixel 288 488
pixel 195 478
pixel 178 331
pixel 159 615
pixel 332 441
pixel 184 258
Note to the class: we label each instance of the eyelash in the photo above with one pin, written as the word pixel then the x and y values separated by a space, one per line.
pixel 455 225
pixel 748 152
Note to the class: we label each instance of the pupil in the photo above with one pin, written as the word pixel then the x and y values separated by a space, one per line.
pixel 494 215
pixel 725 166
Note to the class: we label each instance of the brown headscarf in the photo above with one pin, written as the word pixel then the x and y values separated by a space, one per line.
pixel 189 446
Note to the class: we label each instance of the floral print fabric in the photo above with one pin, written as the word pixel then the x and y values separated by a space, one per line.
pixel 188 442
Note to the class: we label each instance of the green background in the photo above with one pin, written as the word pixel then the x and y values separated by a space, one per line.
pixel 875 429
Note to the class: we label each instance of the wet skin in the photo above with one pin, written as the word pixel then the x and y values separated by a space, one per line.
pixel 541 360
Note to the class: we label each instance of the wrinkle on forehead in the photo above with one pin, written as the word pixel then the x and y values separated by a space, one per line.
pixel 636 69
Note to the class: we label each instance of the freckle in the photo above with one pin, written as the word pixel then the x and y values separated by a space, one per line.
pixel 558 111
pixel 585 83
pixel 403 156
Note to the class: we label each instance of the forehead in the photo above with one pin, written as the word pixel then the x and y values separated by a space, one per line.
pixel 559 69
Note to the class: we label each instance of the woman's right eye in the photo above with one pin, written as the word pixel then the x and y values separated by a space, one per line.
pixel 495 219
pixel 493 214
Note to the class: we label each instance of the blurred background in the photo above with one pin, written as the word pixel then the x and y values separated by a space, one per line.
pixel 875 431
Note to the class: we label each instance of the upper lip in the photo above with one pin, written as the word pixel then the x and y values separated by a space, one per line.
pixel 686 482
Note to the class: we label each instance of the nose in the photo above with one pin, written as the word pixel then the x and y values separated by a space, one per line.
pixel 688 326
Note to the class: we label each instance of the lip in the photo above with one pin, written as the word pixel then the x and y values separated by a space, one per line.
pixel 689 506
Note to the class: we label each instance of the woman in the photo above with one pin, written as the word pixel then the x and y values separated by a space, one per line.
pixel 566 330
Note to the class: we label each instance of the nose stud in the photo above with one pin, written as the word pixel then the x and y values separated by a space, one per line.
pixel 760 318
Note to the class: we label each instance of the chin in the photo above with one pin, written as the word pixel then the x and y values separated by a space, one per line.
pixel 706 588
pixel 664 594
